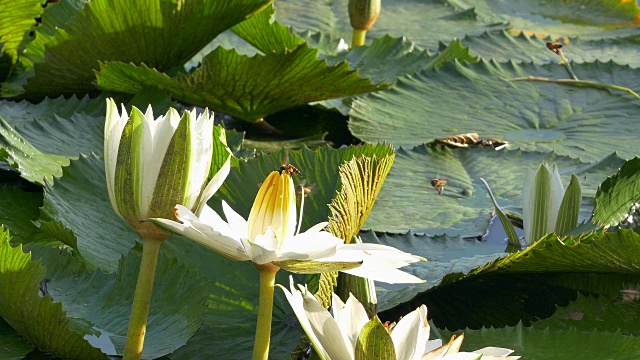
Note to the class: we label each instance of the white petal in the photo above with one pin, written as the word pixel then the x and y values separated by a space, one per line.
pixel 555 200
pixel 207 237
pixel 386 275
pixel 201 140
pixel 326 329
pixel 493 351
pixel 408 335
pixel 351 318
pixel 214 184
pixel 264 248
pixel 114 124
pixel 317 228
pixel 211 218
pixel 237 223
pixel 295 300
pixel 309 246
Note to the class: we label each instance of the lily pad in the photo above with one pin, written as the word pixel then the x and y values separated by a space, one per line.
pixel 75 202
pixel 14 346
pixel 138 32
pixel 18 210
pixel 427 23
pixel 100 304
pixel 408 201
pixel 579 122
pixel 501 46
pixel 534 343
pixel 24 112
pixel 618 194
pixel 244 87
pixel 26 311
pixel 598 19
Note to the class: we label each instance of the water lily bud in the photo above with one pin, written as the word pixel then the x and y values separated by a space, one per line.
pixel 274 207
pixel 541 198
pixel 364 13
pixel 153 164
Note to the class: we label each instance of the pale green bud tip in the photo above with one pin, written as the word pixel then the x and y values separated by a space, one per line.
pixel 364 13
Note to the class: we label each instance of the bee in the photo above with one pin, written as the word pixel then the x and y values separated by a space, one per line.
pixel 438 185
pixel 303 189
pixel 555 47
pixel 291 169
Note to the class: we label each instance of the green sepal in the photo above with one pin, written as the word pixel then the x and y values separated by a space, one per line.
pixel 570 207
pixel 514 240
pixel 127 177
pixel 536 197
pixel 175 172
pixel 313 267
pixel 374 342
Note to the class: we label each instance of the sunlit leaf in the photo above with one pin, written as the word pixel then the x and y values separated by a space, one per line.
pixel 160 34
pixel 618 194
pixel 18 18
pixel 249 88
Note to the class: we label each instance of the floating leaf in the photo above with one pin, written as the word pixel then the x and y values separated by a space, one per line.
pixel 409 202
pixel 618 194
pixel 249 88
pixel 36 317
pixel 76 202
pixel 18 209
pixel 267 35
pixel 579 122
pixel 597 19
pixel 503 47
pixel 427 23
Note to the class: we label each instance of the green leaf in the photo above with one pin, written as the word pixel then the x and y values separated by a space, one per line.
pixel 36 317
pixel 597 19
pixel 33 165
pixel 100 304
pixel 18 210
pixel 374 342
pixel 266 34
pixel 387 58
pixel 76 202
pixel 409 202
pixel 19 18
pixel 513 237
pixel 548 343
pixel 23 113
pixel 617 194
pixel 427 23
pixel 503 47
pixel 139 32
pixel 570 207
pixel 14 346
pixel 529 115
pixel 244 87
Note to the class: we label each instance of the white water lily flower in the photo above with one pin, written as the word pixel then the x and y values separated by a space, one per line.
pixel 269 236
pixel 337 336
pixel 152 164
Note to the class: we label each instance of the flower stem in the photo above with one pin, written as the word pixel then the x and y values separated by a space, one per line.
pixel 582 83
pixel 359 35
pixel 265 311
pixel 142 299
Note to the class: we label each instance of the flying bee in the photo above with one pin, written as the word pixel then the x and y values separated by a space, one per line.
pixel 291 169
pixel 288 167
pixel 303 189
pixel 438 185
pixel 555 47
